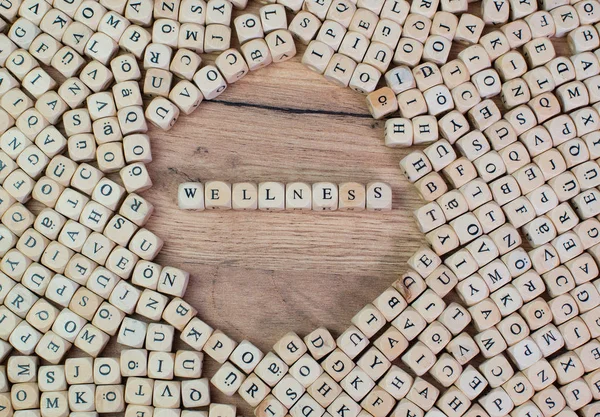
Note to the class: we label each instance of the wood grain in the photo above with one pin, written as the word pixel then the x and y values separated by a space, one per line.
pixel 258 275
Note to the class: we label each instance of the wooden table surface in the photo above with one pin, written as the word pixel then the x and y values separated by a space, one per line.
pixel 258 275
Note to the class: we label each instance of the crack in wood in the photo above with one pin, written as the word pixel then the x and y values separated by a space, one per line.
pixel 292 110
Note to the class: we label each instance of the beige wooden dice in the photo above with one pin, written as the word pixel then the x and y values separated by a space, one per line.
pixel 271 196
pixel 162 113
pixel 317 56
pixel 419 358
pixel 339 68
pixel 281 45
pixel 298 196
pixel 210 82
pixel 257 54
pixel 228 379
pixel 231 65
pixel 244 196
pixel 325 196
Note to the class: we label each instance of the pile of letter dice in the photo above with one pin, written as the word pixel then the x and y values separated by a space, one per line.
pixel 498 315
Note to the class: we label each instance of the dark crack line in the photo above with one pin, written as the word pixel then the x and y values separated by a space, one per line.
pixel 179 172
pixel 291 110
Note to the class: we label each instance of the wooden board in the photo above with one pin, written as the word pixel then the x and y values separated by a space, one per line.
pixel 258 275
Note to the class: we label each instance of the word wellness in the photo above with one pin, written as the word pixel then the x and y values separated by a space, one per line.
pixel 276 196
